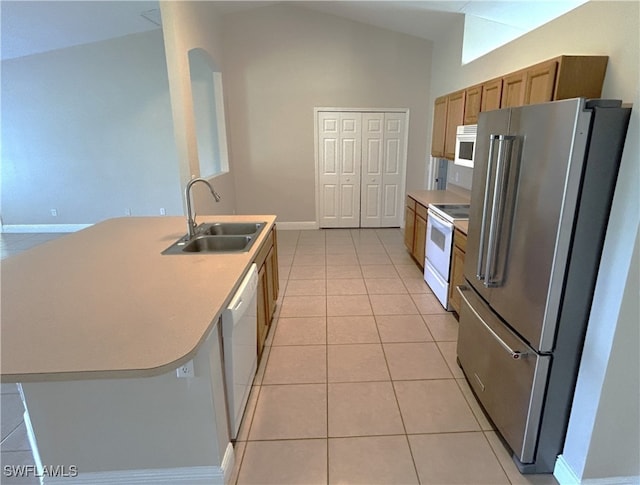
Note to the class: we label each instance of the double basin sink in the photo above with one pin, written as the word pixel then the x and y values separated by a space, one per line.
pixel 218 237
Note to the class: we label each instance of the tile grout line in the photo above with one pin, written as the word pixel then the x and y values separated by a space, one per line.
pixel 326 354
pixel 395 395
pixel 9 435
pixel 239 466
pixel 493 451
pixel 391 380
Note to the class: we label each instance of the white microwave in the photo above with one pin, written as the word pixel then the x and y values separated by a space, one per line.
pixel 465 145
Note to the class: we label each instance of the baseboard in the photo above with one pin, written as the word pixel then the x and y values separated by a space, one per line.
pixel 298 226
pixel 49 228
pixel 228 463
pixel 565 475
pixel 195 475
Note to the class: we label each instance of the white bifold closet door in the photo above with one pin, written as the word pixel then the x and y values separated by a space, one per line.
pixel 340 142
pixel 361 164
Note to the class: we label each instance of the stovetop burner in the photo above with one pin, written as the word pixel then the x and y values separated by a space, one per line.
pixel 451 212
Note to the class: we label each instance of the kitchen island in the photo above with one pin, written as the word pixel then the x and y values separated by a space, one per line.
pixel 94 325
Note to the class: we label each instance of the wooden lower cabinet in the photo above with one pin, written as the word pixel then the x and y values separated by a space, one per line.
pixel 420 236
pixel 263 326
pixel 268 288
pixel 415 230
pixel 409 227
pixel 457 268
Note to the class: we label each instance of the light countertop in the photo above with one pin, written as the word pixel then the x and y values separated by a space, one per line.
pixel 105 303
pixel 449 196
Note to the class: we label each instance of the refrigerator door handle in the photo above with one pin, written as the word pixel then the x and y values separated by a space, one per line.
pixel 485 209
pixel 515 354
pixel 505 147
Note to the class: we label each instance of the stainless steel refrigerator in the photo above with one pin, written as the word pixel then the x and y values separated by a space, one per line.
pixel 543 182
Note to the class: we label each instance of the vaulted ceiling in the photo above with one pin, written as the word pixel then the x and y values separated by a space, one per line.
pixel 30 27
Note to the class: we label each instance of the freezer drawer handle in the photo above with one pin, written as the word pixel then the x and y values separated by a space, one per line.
pixel 515 354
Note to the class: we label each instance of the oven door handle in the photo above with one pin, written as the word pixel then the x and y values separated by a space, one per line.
pixel 439 220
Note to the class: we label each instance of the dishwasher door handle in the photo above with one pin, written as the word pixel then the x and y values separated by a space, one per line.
pixel 237 306
pixel 244 293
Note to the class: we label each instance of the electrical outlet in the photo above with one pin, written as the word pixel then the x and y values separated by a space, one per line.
pixel 163 212
pixel 457 177
pixel 127 212
pixel 185 370
pixel 54 212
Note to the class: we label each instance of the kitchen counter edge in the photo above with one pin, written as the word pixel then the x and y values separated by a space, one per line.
pixel 162 231
pixel 449 196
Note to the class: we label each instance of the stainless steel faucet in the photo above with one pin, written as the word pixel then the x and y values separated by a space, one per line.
pixel 191 218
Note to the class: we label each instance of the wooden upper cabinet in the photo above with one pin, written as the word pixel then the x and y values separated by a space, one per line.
pixel 580 76
pixel 491 95
pixel 455 118
pixel 540 82
pixel 513 88
pixel 562 77
pixel 473 97
pixel 439 127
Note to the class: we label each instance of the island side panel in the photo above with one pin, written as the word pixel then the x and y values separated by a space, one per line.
pixel 160 422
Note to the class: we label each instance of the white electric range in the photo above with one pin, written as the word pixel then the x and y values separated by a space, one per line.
pixel 439 244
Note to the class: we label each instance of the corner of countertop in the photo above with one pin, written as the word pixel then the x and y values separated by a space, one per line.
pixel 462 226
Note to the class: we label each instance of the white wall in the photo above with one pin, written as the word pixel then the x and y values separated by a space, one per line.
pixel 161 424
pixel 186 26
pixel 87 130
pixel 600 442
pixel 281 61
pixel 606 420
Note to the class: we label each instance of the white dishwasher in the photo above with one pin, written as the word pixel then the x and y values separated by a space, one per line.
pixel 239 336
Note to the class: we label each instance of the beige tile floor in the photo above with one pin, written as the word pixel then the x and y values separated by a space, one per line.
pixel 358 383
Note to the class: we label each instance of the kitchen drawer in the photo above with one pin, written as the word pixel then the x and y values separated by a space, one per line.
pixel 411 204
pixel 460 240
pixel 439 286
pixel 510 386
pixel 421 211
pixel 264 250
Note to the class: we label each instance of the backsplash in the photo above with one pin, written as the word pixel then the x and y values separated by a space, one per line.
pixel 460 176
